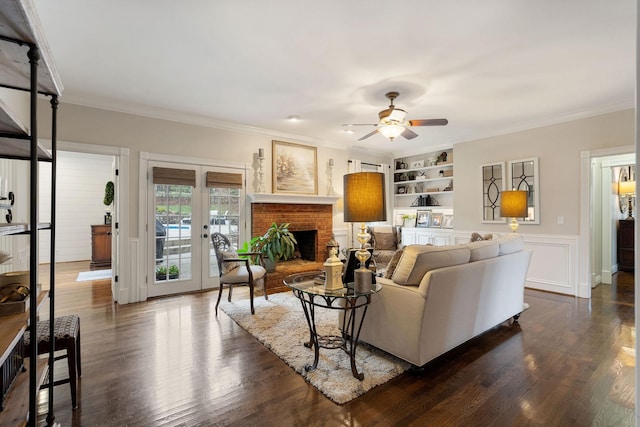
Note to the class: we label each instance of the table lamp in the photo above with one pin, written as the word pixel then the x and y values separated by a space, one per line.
pixel 364 201
pixel 513 204
pixel 627 189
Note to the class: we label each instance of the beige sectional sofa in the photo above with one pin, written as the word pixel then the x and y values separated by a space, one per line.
pixel 441 296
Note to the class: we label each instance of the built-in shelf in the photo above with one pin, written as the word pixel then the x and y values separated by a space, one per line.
pixel 421 194
pixel 292 198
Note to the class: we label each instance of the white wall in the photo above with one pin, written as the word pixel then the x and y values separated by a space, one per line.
pixel 81 179
pixel 558 148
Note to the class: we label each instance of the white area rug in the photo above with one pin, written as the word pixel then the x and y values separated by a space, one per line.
pixel 85 276
pixel 280 325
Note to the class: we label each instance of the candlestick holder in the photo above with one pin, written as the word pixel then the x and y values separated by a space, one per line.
pixel 260 172
pixel 330 190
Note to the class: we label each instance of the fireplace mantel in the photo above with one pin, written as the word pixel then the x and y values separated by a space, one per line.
pixel 292 198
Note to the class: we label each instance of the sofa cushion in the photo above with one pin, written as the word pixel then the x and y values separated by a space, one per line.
pixel 510 243
pixel 483 249
pixel 393 263
pixel 417 260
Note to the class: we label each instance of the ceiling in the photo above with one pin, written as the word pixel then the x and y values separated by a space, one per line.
pixel 489 67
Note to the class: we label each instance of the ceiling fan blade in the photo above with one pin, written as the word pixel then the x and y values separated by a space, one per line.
pixel 408 133
pixel 359 124
pixel 369 134
pixel 429 122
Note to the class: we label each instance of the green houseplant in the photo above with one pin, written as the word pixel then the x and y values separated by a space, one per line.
pixel 173 271
pixel 277 243
pixel 109 192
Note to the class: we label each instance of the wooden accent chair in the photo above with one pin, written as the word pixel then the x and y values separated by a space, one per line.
pixel 235 270
pixel 66 332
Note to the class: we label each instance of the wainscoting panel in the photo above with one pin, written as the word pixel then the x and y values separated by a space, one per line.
pixel 554 264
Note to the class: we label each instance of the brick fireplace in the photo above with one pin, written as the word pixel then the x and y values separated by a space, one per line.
pixel 304 214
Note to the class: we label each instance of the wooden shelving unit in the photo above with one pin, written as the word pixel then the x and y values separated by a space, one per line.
pixel 26 65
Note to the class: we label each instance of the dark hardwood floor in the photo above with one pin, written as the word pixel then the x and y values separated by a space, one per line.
pixel 171 362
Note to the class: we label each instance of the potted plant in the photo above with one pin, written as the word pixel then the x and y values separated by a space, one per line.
pixel 109 192
pixel 277 243
pixel 162 271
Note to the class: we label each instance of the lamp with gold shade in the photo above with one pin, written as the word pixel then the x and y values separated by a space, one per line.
pixel 627 189
pixel 364 201
pixel 513 204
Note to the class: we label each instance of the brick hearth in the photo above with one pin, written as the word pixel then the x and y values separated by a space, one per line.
pixel 300 217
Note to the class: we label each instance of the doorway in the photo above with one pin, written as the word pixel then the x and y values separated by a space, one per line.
pixel 598 217
pixel 607 214
pixel 186 203
pixel 81 176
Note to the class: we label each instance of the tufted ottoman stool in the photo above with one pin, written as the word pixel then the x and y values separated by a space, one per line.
pixel 66 330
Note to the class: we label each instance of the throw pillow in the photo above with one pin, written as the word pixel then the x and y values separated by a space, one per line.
pixel 475 237
pixel 384 241
pixel 228 266
pixel 393 263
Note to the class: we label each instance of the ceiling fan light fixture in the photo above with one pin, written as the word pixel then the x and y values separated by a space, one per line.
pixel 397 115
pixel 391 132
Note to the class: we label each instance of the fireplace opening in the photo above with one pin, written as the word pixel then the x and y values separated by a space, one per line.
pixel 306 247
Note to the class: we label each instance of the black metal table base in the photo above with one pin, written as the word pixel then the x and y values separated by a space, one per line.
pixel 348 341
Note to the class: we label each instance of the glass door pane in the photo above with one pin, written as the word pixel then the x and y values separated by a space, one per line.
pixel 174 267
pixel 173 232
pixel 225 208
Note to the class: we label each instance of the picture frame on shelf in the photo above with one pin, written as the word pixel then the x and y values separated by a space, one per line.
pixel 398 220
pixel 408 221
pixel 436 220
pixel 447 221
pixel 295 168
pixel 417 164
pixel 423 218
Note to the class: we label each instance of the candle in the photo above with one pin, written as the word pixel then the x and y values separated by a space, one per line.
pixel 261 153
pixel 330 162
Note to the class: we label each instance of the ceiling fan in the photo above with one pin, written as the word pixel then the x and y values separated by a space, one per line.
pixel 393 123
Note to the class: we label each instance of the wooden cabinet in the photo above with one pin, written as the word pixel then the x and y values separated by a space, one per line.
pixel 426 236
pixel 100 247
pixel 626 239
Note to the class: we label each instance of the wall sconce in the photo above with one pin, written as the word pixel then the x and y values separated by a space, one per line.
pixel 626 192
pixel 513 204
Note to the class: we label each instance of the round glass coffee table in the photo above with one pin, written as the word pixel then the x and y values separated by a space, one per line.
pixel 311 293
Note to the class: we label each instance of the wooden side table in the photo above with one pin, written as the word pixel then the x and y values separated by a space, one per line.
pixel 100 247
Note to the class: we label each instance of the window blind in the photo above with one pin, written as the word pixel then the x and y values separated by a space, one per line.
pixel 174 176
pixel 224 180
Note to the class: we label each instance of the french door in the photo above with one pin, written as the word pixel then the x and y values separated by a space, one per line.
pixel 187 203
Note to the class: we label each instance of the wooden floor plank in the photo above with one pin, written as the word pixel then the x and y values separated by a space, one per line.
pixel 171 361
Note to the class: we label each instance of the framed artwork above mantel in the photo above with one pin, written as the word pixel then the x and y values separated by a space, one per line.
pixel 295 168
